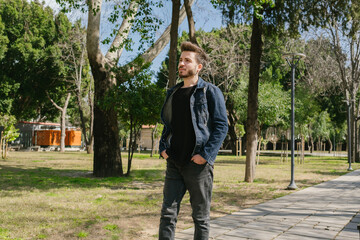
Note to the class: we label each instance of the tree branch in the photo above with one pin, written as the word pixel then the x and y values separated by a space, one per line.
pixel 115 50
pixel 93 32
pixel 163 40
pixel 52 101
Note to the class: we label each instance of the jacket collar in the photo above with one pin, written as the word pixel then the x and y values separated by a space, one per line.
pixel 199 84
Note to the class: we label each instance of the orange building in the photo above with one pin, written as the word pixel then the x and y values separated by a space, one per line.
pixel 50 137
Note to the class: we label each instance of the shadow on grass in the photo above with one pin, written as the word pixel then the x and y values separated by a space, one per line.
pixel 331 173
pixel 229 161
pixel 17 178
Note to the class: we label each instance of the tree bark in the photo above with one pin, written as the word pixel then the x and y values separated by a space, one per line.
pixel 252 125
pixel 173 42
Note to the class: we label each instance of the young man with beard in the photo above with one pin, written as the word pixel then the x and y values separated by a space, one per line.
pixel 195 125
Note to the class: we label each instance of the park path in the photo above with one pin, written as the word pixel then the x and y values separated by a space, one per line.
pixel 329 210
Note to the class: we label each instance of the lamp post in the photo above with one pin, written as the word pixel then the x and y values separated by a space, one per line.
pixel 293 60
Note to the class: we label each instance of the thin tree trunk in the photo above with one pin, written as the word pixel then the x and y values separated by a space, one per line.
pixel 331 145
pixel 173 42
pixel 131 147
pixel 190 22
pixel 90 147
pixel 63 119
pixel 153 140
pixel 258 151
pixel 1 143
pixel 353 134
pixel 252 124
pixel 232 119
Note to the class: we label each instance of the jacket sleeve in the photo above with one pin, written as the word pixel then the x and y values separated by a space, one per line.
pixel 162 143
pixel 219 126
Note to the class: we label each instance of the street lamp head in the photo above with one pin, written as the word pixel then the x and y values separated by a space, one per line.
pixel 294 55
pixel 293 58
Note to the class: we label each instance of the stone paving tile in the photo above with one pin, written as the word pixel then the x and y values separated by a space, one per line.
pixel 266 226
pixel 249 233
pixel 226 237
pixel 217 231
pixel 288 236
pixel 311 233
pixel 351 226
pixel 183 236
pixel 348 235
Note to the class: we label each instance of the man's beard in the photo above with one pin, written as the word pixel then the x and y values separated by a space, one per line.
pixel 188 73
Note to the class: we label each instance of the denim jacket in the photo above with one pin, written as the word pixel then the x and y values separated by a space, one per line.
pixel 209 118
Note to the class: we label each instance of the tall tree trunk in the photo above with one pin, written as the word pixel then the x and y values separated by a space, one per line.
pixel 190 22
pixel 107 155
pixel 252 125
pixel 173 42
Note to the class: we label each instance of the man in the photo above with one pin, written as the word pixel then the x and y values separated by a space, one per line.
pixel 195 125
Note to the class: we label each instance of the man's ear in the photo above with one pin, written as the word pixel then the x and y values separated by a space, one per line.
pixel 200 66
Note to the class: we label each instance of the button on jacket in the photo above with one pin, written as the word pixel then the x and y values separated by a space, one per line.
pixel 209 119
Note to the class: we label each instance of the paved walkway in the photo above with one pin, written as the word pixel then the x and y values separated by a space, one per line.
pixel 329 210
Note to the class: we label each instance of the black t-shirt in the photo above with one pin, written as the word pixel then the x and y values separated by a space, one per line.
pixel 183 136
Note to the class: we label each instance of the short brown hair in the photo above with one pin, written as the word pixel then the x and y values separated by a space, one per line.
pixel 201 56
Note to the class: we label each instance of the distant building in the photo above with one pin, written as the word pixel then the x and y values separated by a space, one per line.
pixel 145 137
pixel 45 134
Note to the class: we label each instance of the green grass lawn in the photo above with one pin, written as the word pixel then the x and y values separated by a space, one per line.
pixel 51 195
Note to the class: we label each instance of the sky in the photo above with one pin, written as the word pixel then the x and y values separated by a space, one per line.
pixel 205 17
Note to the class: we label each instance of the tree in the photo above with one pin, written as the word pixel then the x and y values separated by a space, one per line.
pixel 138 102
pixel 9 133
pixel 268 18
pixel 155 136
pixel 322 129
pixel 78 74
pixel 3 40
pixel 30 62
pixel 344 33
pixel 136 18
pixel 227 48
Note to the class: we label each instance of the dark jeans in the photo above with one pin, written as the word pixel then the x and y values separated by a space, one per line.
pixel 198 180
